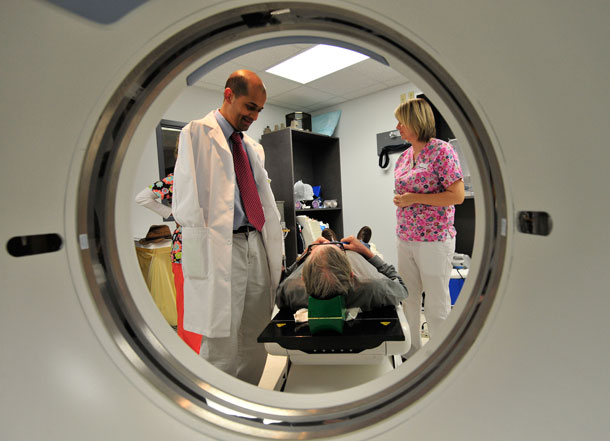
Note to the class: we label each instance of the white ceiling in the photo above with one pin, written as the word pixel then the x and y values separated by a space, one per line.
pixel 361 79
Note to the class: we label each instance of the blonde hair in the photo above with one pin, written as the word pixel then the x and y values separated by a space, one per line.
pixel 327 273
pixel 416 114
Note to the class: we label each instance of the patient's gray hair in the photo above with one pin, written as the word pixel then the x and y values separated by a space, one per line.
pixel 327 273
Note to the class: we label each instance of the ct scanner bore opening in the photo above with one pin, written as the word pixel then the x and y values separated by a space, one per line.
pixel 97 227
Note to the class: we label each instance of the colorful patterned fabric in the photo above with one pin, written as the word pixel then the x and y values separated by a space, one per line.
pixel 190 338
pixel 165 189
pixel 437 168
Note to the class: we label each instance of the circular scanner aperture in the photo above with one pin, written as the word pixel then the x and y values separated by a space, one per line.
pixel 232 30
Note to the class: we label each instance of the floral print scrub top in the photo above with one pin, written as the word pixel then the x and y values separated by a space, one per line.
pixel 165 189
pixel 437 168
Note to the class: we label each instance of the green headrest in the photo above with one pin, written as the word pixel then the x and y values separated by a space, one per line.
pixel 326 315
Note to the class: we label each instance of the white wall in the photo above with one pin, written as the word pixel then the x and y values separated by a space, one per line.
pixel 193 103
pixel 368 189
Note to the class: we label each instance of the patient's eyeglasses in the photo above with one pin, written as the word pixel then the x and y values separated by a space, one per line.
pixel 311 246
pixel 332 242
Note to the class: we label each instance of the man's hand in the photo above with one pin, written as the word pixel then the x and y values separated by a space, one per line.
pixel 306 252
pixel 320 239
pixel 353 244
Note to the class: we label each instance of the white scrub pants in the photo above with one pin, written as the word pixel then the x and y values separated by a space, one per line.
pixel 239 354
pixel 425 267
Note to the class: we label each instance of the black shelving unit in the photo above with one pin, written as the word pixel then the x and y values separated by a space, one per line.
pixel 292 155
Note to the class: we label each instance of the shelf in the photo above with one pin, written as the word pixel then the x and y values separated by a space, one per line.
pixel 294 155
pixel 309 210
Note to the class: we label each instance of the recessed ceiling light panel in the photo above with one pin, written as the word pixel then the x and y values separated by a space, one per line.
pixel 317 62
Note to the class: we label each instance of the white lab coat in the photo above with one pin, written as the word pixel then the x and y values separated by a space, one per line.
pixel 203 200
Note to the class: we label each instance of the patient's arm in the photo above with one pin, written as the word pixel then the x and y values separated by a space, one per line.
pixel 377 284
pixel 386 269
pixel 353 244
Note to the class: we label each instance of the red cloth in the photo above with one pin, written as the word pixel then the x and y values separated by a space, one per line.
pixel 246 184
pixel 190 338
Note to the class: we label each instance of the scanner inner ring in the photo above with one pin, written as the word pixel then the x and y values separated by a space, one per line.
pixel 96 209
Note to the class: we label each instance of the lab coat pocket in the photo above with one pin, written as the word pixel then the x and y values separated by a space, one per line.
pixel 195 262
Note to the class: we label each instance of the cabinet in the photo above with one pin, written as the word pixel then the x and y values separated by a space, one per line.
pixel 464 224
pixel 292 155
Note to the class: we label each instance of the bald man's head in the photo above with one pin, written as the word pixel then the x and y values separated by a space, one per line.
pixel 244 98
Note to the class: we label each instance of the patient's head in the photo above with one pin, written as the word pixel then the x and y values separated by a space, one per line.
pixel 327 272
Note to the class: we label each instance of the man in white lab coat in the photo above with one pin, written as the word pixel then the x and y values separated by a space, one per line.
pixel 232 253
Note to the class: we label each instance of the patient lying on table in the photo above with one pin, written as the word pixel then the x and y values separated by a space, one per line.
pixel 345 268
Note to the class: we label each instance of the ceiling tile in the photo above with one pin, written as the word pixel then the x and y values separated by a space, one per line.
pixel 377 71
pixel 277 85
pixel 263 59
pixel 302 96
pixel 218 76
pixel 326 103
pixel 343 81
pixel 396 82
pixel 364 91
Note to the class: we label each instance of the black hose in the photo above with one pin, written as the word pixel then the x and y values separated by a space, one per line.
pixel 384 158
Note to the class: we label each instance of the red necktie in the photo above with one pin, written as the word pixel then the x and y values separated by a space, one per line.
pixel 246 184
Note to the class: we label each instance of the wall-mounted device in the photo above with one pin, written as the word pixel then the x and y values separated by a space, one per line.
pixel 387 143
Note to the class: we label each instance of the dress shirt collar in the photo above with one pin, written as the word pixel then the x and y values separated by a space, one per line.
pixel 227 128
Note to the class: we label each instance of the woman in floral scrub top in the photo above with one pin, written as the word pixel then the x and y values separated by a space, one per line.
pixel 427 184
pixel 163 189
